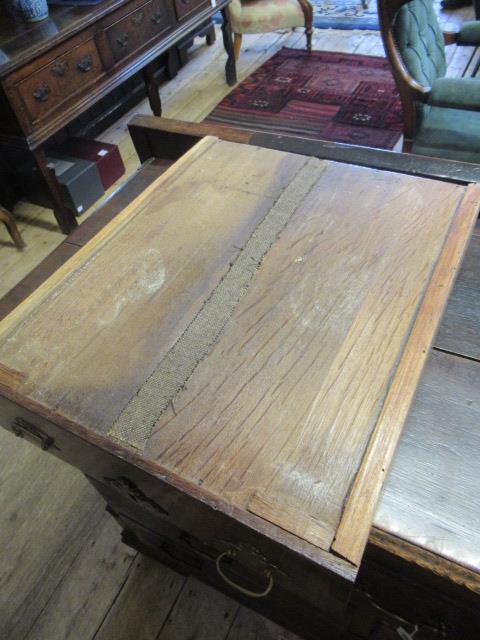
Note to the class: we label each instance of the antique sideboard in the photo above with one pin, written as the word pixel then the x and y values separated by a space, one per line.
pixel 421 567
pixel 53 71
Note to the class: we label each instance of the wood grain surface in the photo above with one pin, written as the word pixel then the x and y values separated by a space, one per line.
pixel 277 418
pixel 136 296
pixel 354 528
pixel 460 328
pixel 432 498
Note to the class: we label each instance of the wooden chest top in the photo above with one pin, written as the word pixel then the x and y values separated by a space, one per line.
pixel 255 323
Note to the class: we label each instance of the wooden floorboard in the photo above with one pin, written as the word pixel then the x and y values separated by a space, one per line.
pixel 64 572
pixel 201 613
pixel 150 588
pixel 47 509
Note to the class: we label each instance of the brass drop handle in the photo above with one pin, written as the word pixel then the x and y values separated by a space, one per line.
pixel 122 39
pixel 85 64
pixel 41 93
pixel 137 17
pixel 157 17
pixel 60 68
pixel 23 429
pixel 234 585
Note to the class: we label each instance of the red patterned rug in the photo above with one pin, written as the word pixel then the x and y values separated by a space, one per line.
pixel 322 95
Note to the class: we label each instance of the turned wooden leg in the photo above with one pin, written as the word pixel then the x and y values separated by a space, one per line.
pixel 65 218
pixel 237 44
pixel 308 34
pixel 12 228
pixel 210 35
pixel 308 14
pixel 230 67
pixel 173 62
pixel 152 88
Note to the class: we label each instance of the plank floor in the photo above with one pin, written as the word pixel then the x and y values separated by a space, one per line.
pixel 64 573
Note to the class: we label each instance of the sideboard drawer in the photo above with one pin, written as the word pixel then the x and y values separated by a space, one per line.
pixel 138 28
pixel 64 77
pixel 183 8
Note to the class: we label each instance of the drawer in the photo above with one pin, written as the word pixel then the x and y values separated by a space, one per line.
pixel 183 8
pixel 60 80
pixel 242 575
pixel 155 521
pixel 138 28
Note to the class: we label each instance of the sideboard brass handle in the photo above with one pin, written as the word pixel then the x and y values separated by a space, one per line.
pixel 41 93
pixel 122 39
pixel 85 64
pixel 60 68
pixel 137 17
pixel 234 585
pixel 157 17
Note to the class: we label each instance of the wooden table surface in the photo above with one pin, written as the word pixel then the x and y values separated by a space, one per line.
pixel 333 329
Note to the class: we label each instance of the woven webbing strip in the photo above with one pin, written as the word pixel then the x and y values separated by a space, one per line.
pixel 135 424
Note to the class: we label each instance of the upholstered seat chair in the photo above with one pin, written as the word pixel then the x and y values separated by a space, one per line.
pixel 262 16
pixel 441 115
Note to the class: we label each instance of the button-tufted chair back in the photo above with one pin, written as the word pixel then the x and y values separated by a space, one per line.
pixel 420 41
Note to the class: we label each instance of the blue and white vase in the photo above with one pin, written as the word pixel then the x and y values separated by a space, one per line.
pixel 34 10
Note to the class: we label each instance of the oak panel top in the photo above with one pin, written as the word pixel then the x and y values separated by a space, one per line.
pixel 255 322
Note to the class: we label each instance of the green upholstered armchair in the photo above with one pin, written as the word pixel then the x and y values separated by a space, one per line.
pixel 441 115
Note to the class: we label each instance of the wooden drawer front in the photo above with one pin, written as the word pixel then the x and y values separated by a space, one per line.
pixel 61 79
pixel 137 28
pixel 183 8
pixel 190 556
pixel 151 517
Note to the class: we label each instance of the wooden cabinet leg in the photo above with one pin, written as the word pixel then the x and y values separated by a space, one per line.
pixel 230 67
pixel 65 218
pixel 173 63
pixel 152 88
pixel 9 222
pixel 210 35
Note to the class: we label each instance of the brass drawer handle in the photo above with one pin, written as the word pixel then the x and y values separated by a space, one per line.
pixel 85 64
pixel 41 93
pixel 60 68
pixel 234 585
pixel 23 429
pixel 157 17
pixel 122 39
pixel 137 17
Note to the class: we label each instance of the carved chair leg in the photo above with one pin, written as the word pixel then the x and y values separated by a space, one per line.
pixel 308 34
pixel 230 66
pixel 12 228
pixel 308 14
pixel 237 44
